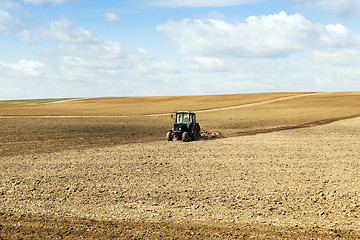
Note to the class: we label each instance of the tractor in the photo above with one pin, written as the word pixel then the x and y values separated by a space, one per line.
pixel 185 127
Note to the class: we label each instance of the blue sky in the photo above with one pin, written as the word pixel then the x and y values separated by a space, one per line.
pixel 78 48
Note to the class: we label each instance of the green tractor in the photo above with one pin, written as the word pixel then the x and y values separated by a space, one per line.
pixel 185 127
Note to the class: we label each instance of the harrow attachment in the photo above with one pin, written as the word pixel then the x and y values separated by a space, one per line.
pixel 209 135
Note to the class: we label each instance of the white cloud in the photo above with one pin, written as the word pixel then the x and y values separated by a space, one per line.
pixel 110 59
pixel 7 22
pixel 63 30
pixel 24 68
pixel 103 69
pixel 258 36
pixel 266 53
pixel 197 3
pixel 206 64
pixel 107 68
pixel 48 2
pixel 338 36
pixel 111 17
pixel 338 57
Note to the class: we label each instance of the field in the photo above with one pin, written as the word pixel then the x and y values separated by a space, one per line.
pixel 100 168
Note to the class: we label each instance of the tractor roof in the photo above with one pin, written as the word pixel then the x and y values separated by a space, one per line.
pixel 185 112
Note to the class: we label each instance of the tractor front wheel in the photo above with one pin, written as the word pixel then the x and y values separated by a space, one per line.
pixel 185 137
pixel 169 136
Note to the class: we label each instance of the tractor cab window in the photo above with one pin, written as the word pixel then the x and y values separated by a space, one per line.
pixel 186 118
pixel 192 118
pixel 179 118
pixel 183 118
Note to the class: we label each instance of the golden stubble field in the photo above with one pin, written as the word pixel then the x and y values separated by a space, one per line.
pixel 101 168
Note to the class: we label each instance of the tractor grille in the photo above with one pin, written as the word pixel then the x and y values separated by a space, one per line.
pixel 179 127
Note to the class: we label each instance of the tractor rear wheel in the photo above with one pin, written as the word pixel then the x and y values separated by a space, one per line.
pixel 185 137
pixel 196 133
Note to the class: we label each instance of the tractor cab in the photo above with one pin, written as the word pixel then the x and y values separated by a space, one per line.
pixel 184 120
pixel 185 127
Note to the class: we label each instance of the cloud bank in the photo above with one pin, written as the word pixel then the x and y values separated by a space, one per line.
pixel 23 68
pixel 274 35
pixel 275 52
pixel 62 30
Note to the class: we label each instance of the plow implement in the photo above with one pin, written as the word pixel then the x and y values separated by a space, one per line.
pixel 209 135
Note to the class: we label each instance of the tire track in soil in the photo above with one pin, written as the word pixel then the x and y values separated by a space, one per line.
pixel 303 125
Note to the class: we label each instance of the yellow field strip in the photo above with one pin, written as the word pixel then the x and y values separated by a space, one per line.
pixel 60 101
pixel 262 102
pixel 246 105
pixel 166 114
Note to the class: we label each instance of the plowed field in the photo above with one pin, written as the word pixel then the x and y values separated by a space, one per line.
pixel 101 168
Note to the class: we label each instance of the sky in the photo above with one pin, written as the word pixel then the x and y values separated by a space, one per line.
pixel 91 48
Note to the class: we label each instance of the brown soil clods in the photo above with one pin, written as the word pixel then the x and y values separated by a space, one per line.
pixel 117 177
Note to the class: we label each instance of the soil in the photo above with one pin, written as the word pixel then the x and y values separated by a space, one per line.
pixel 64 177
